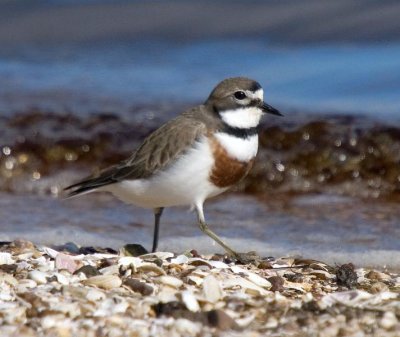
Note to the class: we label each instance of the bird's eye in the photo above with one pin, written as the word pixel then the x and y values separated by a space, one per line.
pixel 239 95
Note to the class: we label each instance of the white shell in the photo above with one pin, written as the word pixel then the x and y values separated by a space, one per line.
pixel 49 251
pixel 212 289
pixel 110 270
pixel 160 255
pixel 247 286
pixel 167 294
pixel 62 279
pixel 6 258
pixel 356 298
pixel 186 327
pixel 25 284
pixel 104 281
pixel 190 301
pixel 195 279
pixel 180 259
pixel 151 267
pixel 95 295
pixel 252 277
pixel 38 276
pixel 25 256
pixel 218 264
pixel 170 281
pixel 377 275
pixel 130 261
pixel 388 320
pixel 258 280
pixel 245 321
pixel 7 278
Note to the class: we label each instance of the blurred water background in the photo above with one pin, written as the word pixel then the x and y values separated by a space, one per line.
pixel 82 82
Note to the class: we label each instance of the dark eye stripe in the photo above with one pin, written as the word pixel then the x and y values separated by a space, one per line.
pixel 256 86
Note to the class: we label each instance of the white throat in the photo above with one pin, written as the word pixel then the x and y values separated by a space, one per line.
pixel 241 149
pixel 242 118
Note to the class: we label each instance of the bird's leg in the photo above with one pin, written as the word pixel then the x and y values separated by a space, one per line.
pixel 242 257
pixel 157 215
pixel 205 229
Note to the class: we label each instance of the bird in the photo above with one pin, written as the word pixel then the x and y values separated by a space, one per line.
pixel 195 156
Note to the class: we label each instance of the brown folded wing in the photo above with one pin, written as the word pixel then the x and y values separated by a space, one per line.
pixel 158 151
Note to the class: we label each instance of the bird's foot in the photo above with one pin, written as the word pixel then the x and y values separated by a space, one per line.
pixel 247 258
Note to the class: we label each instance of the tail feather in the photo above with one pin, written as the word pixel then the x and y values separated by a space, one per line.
pixel 87 186
pixel 79 191
pixel 105 177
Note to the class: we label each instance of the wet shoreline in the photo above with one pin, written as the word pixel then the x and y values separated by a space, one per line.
pixel 346 155
pixel 336 229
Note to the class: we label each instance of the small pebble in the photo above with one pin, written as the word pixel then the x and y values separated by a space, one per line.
pixel 195 253
pixel 8 268
pixel 376 275
pixel 346 276
pixel 378 287
pixel 134 249
pixel 296 277
pixel 264 265
pixel 158 262
pixel 88 270
pixel 138 286
pixel 220 320
pixel 277 283
pixel 70 247
pixel 23 245
pixel 217 257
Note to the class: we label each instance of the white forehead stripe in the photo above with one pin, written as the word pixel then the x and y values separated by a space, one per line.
pixel 243 118
pixel 259 94
pixel 242 149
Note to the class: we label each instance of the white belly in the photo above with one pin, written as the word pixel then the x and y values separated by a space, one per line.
pixel 184 183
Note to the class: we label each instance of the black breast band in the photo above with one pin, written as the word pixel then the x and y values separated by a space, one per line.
pixel 239 132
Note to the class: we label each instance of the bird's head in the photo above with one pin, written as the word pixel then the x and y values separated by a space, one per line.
pixel 239 102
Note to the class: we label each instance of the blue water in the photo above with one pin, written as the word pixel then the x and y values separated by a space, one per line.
pixel 332 78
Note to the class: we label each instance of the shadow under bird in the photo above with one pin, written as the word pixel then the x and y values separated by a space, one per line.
pixel 195 156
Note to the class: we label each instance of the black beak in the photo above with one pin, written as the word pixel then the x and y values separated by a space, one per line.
pixel 269 109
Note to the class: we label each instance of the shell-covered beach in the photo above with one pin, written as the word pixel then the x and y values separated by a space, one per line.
pixel 89 291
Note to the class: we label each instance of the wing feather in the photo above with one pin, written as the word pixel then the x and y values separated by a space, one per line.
pixel 159 150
